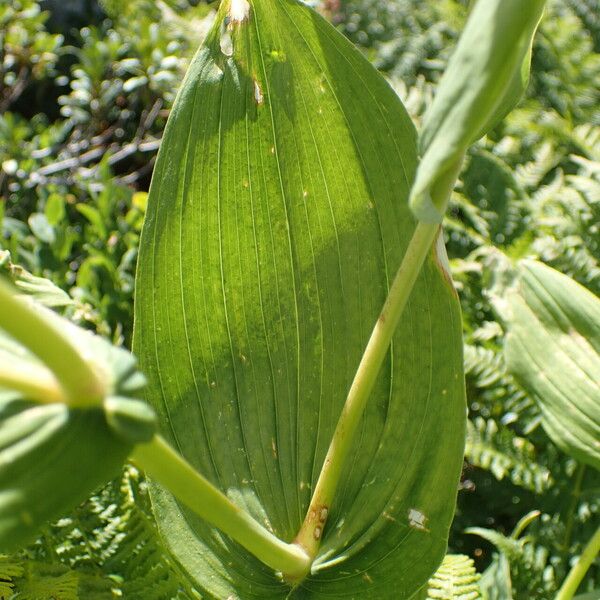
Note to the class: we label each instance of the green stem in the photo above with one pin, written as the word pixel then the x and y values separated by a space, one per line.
pixel 343 440
pixel 580 568
pixel 167 467
pixel 34 382
pixel 573 507
pixel 524 522
pixel 311 531
pixel 45 337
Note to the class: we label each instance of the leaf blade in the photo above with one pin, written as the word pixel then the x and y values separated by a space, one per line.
pixel 553 349
pixel 276 217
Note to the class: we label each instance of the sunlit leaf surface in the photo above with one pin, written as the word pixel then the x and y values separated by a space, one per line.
pixel 276 219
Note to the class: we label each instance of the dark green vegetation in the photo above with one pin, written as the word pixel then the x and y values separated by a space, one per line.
pixel 72 214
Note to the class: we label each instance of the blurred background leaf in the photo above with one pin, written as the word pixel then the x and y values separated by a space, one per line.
pixel 553 349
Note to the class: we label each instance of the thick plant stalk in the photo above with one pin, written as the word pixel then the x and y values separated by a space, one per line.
pixel 42 336
pixel 577 573
pixel 575 495
pixel 167 467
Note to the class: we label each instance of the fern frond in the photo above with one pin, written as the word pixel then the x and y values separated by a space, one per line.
pixel 108 548
pixel 587 186
pixel 138 555
pixel 11 568
pixel 490 184
pixel 572 257
pixel 588 12
pixel 456 579
pixel 533 577
pixel 509 546
pixel 531 174
pixel 504 454
pixel 489 385
pixel 34 580
pixel 472 221
pixel 587 137
pixel 547 193
pixel 46 583
pixel 567 211
pixel 589 168
pixel 483 365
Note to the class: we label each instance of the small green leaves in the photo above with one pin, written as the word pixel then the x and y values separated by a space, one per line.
pixel 485 78
pixel 553 349
pixel 43 290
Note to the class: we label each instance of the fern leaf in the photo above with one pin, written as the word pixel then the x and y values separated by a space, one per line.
pixel 456 579
pixel 107 548
pixel 533 577
pixel 489 384
pixel 587 137
pixel 504 454
pixel 588 187
pixel 588 12
pixel 10 569
pixel 567 210
pixel 531 174
pixel 48 584
pixel 483 365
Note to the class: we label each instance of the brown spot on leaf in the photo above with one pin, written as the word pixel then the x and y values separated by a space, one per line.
pixel 258 95
pixel 274 448
pixel 239 12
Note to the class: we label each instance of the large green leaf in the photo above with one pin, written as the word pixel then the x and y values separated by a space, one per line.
pixel 553 349
pixel 277 216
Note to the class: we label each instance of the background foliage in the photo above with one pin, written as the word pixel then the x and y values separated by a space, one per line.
pixel 85 91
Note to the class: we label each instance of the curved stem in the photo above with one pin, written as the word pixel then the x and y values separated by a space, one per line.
pixel 34 382
pixel 45 337
pixel 580 568
pixel 171 470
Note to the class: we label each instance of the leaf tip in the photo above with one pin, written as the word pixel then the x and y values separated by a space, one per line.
pixel 239 12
